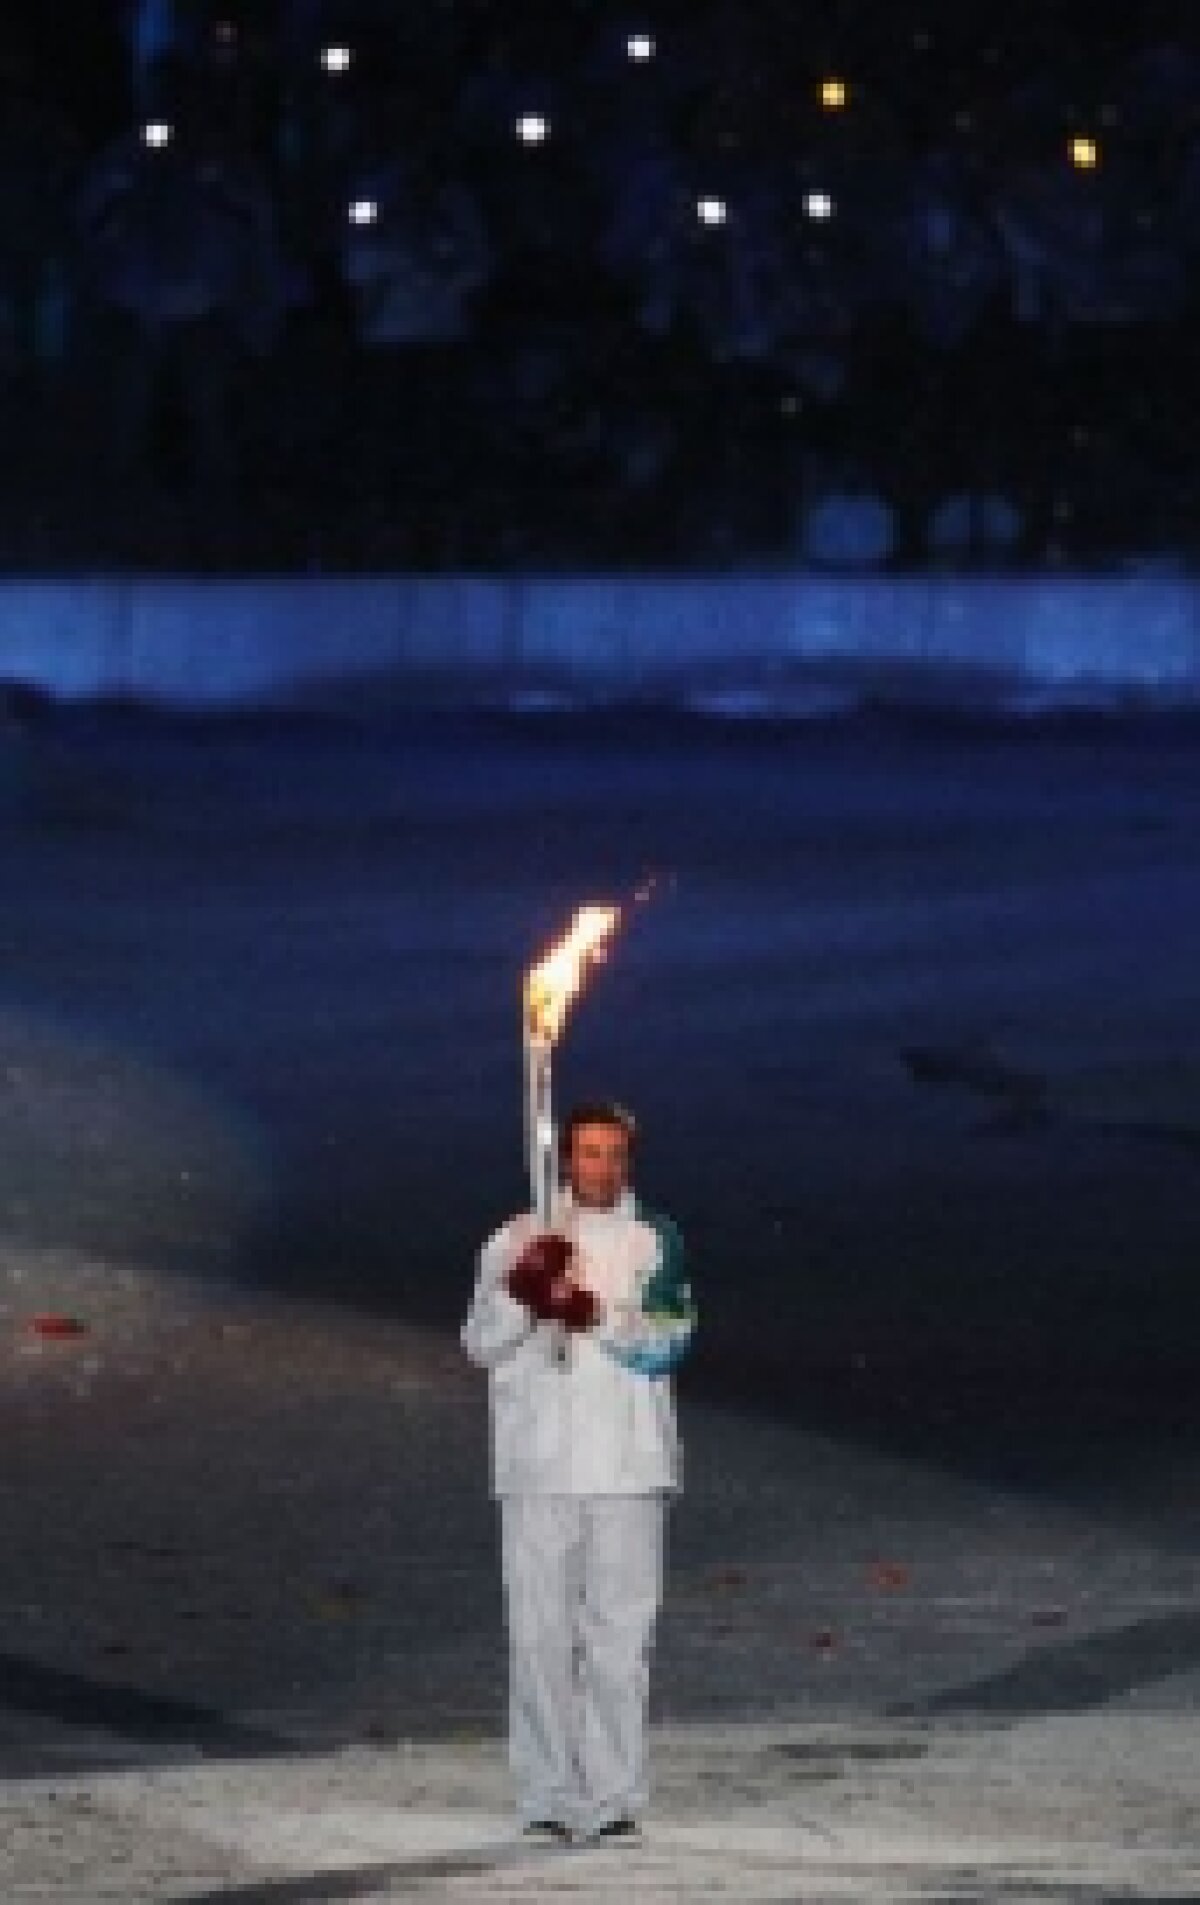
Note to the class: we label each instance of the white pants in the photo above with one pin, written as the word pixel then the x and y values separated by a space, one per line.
pixel 583 1578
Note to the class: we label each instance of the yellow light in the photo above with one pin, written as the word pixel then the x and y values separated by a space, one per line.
pixel 833 94
pixel 1085 154
pixel 553 983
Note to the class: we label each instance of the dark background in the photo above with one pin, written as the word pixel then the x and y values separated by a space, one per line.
pixel 984 358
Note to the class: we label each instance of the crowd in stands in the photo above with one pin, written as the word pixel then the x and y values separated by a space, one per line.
pixel 478 284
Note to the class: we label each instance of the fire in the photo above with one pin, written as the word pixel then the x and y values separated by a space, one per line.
pixel 552 984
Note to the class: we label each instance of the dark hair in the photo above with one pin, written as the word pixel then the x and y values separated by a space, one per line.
pixel 597 1111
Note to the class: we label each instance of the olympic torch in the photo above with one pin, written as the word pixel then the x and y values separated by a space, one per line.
pixel 549 988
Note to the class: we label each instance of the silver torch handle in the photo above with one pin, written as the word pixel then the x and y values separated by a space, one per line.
pixel 541 1140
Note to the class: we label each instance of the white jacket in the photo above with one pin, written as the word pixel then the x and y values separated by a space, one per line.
pixel 594 1425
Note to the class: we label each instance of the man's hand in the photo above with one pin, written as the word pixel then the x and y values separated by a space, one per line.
pixel 578 1308
pixel 540 1265
pixel 539 1279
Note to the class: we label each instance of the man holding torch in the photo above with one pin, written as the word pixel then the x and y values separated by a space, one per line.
pixel 580 1312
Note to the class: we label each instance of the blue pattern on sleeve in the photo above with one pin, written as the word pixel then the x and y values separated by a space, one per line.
pixel 656 1340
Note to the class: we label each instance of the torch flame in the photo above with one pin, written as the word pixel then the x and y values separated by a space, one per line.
pixel 552 984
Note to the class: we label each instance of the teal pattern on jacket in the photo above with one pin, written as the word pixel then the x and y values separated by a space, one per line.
pixel 667 1321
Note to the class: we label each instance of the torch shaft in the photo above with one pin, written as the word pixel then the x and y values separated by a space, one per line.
pixel 540 1136
pixel 542 1151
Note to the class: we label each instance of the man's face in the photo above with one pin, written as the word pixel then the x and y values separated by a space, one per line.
pixel 598 1164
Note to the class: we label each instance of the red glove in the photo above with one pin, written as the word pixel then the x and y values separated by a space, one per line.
pixel 540 1281
pixel 544 1258
pixel 578 1309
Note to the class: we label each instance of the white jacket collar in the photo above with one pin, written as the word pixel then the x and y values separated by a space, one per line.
pixel 626 1203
